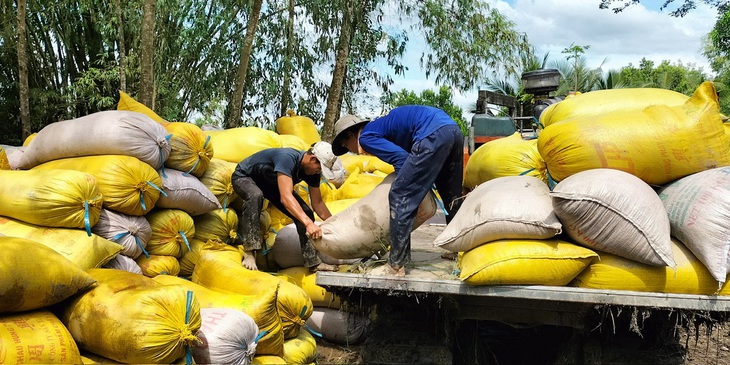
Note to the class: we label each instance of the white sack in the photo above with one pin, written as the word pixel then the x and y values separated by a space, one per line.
pixel 112 132
pixel 510 207
pixel 126 263
pixel 186 192
pixel 699 214
pixel 338 326
pixel 287 250
pixel 228 337
pixel 615 212
pixel 363 228
pixel 132 232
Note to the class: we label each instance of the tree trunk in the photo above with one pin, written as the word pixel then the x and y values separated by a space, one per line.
pixel 332 112
pixel 147 43
pixel 122 50
pixel 286 84
pixel 234 116
pixel 23 70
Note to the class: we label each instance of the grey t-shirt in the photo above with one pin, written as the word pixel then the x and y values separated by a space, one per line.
pixel 284 160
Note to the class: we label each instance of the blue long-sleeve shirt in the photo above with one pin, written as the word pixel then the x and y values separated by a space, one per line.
pixel 391 137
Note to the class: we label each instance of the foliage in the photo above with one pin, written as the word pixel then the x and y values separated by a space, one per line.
pixel 678 77
pixel 442 100
pixel 574 52
pixel 681 10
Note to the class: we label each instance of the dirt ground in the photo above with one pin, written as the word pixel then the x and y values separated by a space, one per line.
pixel 611 335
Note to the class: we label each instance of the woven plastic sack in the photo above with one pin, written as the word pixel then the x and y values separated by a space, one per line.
pixel 74 244
pixel 190 258
pixel 607 101
pixel 219 224
pixel 104 133
pixel 617 273
pixel 228 336
pixel 171 231
pixel 615 212
pixel 186 192
pixel 292 141
pixel 510 207
pixel 261 307
pixel 658 144
pixel 191 149
pixel 13 154
pixel 217 178
pixel 36 337
pixel 132 319
pixel 235 144
pixel 363 228
pixel 338 326
pixel 126 102
pixel 524 262
pixel 128 185
pixel 301 349
pixel 125 263
pixel 155 265
pixel 61 198
pixel 509 156
pixel 132 232
pixel 358 185
pixel 219 263
pixel 4 163
pixel 307 280
pixel 365 163
pixel 287 250
pixel 699 215
pixel 34 276
pixel 299 126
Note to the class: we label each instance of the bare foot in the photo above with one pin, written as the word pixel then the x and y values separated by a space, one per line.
pixel 449 255
pixel 324 267
pixel 387 270
pixel 249 261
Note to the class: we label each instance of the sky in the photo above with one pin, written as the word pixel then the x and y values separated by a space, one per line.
pixel 614 40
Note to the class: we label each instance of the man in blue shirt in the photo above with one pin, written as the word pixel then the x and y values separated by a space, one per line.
pixel 272 174
pixel 425 146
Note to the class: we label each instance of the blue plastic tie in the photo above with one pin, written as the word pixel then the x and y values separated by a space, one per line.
pixel 527 171
pixel 312 331
pixel 225 204
pixel 551 182
pixel 87 221
pixel 162 192
pixel 185 239
pixel 260 335
pixel 139 243
pixel 187 173
pixel 188 304
pixel 440 203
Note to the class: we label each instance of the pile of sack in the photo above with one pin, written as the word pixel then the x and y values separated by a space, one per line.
pixel 623 189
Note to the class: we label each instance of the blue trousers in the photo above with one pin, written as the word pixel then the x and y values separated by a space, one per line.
pixel 437 159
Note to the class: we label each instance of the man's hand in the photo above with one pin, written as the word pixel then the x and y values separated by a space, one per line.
pixel 314 232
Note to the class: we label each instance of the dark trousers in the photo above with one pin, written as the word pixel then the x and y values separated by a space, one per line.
pixel 437 159
pixel 252 195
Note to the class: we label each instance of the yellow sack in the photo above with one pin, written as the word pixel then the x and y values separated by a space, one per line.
pixel 301 349
pixel 618 273
pixel 218 179
pixel 26 142
pixel 171 231
pixel 268 360
pixel 608 101
pixel 190 258
pixel 155 265
pixel 358 185
pixel 277 218
pixel 235 144
pixel 126 102
pixel 509 156
pixel 60 198
pixel 36 338
pixel 127 184
pixel 4 163
pixel 337 206
pixel 524 262
pixel 365 163
pixel 34 276
pixel 299 126
pixel 219 263
pixel 307 280
pixel 261 307
pixel 219 224
pixel 132 319
pixel 658 144
pixel 295 142
pixel 74 244
pixel 191 149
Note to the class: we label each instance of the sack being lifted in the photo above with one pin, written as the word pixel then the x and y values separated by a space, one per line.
pixel 363 228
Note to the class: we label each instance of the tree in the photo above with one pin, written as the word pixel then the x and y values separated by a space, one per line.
pixel 574 52
pixel 147 50
pixel 678 77
pixel 234 116
pixel 23 69
pixel 680 11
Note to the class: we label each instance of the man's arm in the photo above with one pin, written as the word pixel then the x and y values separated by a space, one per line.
pixel 315 195
pixel 286 191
